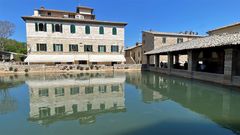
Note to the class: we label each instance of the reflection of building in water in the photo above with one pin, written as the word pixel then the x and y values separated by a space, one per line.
pixel 149 95
pixel 216 103
pixel 71 99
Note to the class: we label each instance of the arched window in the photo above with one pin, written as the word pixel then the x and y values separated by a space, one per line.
pixel 114 31
pixel 73 28
pixel 87 29
pixel 41 27
pixel 101 30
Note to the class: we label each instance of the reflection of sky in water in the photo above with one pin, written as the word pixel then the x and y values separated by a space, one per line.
pixel 131 103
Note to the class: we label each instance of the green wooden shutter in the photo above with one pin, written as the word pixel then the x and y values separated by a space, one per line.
pixel 36 26
pixel 45 27
pixel 54 48
pixel 114 31
pixel 87 29
pixel 53 29
pixel 61 29
pixel 61 47
pixel 73 29
pixel 38 47
pixel 101 30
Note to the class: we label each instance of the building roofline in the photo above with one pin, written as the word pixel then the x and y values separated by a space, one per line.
pixel 53 10
pixel 223 27
pixel 25 18
pixel 85 7
pixel 171 34
pixel 132 47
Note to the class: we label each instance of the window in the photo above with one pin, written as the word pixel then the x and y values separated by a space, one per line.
pixel 60 110
pixel 56 27
pixel 73 48
pixel 59 92
pixel 57 47
pixel 101 30
pixel 49 13
pixel 101 48
pixel 88 90
pixel 89 107
pixel 179 40
pixel 40 27
pixel 164 40
pixel 114 31
pixel 102 89
pixel 73 29
pixel 115 88
pixel 87 30
pixel 102 106
pixel 74 90
pixel 44 112
pixel 43 92
pixel 88 48
pixel 114 48
pixel 75 108
pixel 41 47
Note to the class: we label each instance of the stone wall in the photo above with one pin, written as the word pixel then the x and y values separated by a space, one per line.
pixel 10 68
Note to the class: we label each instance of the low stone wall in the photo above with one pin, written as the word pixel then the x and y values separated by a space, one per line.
pixel 10 68
pixel 211 77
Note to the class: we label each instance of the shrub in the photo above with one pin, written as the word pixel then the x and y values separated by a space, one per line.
pixel 15 70
pixel 81 68
pixel 91 66
pixel 87 68
pixel 97 68
pixel 26 70
pixel 70 67
pixel 126 67
pixel 10 68
pixel 78 67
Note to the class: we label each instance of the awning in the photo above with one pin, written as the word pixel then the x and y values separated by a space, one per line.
pixel 49 58
pixel 107 58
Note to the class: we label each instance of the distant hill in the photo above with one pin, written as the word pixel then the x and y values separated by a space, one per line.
pixel 15 46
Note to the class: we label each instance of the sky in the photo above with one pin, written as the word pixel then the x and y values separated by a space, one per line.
pixel 158 15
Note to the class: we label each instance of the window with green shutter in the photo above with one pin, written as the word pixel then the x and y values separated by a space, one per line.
pixel 57 47
pixel 101 48
pixel 73 28
pixel 101 30
pixel 87 29
pixel 114 48
pixel 41 47
pixel 114 31
pixel 88 48
pixel 73 48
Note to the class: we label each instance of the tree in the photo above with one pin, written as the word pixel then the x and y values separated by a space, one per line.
pixel 6 30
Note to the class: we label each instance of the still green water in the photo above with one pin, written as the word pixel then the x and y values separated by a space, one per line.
pixel 138 103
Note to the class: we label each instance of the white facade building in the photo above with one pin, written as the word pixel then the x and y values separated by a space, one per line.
pixel 60 37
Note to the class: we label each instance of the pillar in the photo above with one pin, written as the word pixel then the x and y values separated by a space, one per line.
pixel 156 61
pixel 170 61
pixel 228 65
pixel 192 61
pixel 148 60
pixel 177 58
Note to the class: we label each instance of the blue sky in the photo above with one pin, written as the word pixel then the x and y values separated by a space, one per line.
pixel 159 15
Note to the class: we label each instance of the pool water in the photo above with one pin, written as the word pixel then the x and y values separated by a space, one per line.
pixel 115 103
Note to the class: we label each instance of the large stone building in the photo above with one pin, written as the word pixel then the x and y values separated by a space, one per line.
pixel 153 40
pixel 134 54
pixel 62 37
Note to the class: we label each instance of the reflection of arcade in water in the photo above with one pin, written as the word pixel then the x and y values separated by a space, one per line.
pixel 221 105
pixel 75 98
